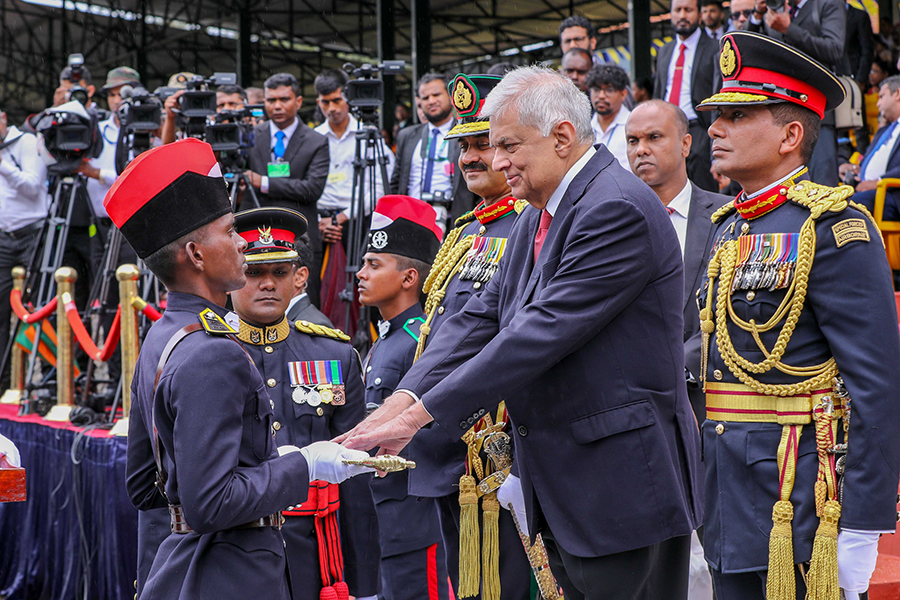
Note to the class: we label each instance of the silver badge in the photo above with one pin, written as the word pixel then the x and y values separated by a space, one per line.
pixel 383 328
pixel 379 240
pixel 298 395
pixel 314 398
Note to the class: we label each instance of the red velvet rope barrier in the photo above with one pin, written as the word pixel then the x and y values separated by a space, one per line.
pixel 146 309
pixel 15 300
pixel 84 338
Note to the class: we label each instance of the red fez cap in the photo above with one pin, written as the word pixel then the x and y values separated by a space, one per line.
pixel 166 193
pixel 405 226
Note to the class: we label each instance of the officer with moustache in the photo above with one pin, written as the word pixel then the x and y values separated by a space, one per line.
pixel 467 260
pixel 315 380
pixel 799 347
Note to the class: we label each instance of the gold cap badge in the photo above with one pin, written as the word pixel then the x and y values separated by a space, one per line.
pixel 727 60
pixel 265 235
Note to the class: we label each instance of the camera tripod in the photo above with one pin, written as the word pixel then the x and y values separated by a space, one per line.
pixel 233 178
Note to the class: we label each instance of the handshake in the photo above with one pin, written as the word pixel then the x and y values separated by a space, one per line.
pixel 331 462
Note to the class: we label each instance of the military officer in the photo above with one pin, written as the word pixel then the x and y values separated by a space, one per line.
pixel 200 434
pixel 800 340
pixel 314 379
pixel 469 257
pixel 402 243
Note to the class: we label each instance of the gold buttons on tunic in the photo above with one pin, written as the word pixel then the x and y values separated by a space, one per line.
pixel 269 349
pixel 440 310
pixel 751 295
pixel 745 228
pixel 477 285
pixel 718 375
pixel 378 381
pixel 482 229
pixel 319 411
pixel 276 425
pixel 271 383
pixel 720 429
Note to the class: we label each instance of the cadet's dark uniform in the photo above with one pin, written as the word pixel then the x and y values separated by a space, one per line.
pixel 801 266
pixel 278 350
pixel 413 564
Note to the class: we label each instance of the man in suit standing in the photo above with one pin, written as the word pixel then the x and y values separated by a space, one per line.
pixel 289 162
pixel 658 144
pixel 571 333
pixel 685 75
pixel 426 163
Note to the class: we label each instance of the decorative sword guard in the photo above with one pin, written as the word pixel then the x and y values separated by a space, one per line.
pixel 384 463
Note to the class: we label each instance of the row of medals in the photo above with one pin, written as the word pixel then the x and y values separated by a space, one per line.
pixel 316 394
pixel 479 267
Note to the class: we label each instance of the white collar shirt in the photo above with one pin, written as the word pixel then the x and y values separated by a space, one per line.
pixel 678 209
pixel 106 163
pixel 690 49
pixel 560 191
pixel 23 182
pixel 614 136
pixel 877 165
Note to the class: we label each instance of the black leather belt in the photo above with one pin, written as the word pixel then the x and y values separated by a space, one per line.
pixel 24 232
pixel 179 525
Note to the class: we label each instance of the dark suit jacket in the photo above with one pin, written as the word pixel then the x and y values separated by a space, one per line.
pixel 860 45
pixel 407 141
pixel 697 243
pixel 819 30
pixel 307 152
pixel 893 164
pixel 705 73
pixel 303 310
pixel 586 349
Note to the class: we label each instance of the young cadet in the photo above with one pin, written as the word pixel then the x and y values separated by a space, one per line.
pixel 800 330
pixel 315 381
pixel 469 257
pixel 402 243
pixel 200 431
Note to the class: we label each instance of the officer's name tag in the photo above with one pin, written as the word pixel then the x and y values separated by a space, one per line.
pixel 279 169
pixel 850 230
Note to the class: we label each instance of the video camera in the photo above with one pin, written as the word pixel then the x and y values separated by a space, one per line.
pixel 199 102
pixel 365 93
pixel 76 74
pixel 231 134
pixel 68 135
pixel 140 114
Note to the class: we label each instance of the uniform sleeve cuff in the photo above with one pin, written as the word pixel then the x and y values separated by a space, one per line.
pixel 264 185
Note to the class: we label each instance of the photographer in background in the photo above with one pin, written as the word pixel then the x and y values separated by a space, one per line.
pixel 23 207
pixel 289 162
pixel 77 77
pixel 230 97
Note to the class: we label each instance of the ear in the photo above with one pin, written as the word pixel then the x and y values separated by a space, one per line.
pixel 686 141
pixel 793 137
pixel 299 102
pixel 194 254
pixel 566 140
pixel 301 275
pixel 410 279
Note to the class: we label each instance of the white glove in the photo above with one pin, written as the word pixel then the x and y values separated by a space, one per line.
pixel 510 495
pixel 9 449
pixel 857 552
pixel 287 449
pixel 325 460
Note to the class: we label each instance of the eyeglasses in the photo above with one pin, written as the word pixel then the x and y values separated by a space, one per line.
pixel 606 89
pixel 746 13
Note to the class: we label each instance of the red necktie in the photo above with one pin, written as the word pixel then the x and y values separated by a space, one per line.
pixel 675 94
pixel 546 217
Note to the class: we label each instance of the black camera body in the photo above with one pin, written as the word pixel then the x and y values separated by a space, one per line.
pixel 231 135
pixel 365 93
pixel 198 102
pixel 69 138
pixel 140 110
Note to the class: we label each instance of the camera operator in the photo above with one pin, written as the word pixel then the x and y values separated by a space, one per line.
pixel 76 77
pixel 289 162
pixel 178 82
pixel 23 207
pixel 230 97
pixel 818 28
pixel 340 129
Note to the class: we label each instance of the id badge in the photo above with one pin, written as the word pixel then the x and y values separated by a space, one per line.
pixel 279 169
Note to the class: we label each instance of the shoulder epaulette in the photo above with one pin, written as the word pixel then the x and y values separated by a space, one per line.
pixel 321 330
pixel 213 324
pixel 722 211
pixel 820 198
pixel 412 322
pixel 520 206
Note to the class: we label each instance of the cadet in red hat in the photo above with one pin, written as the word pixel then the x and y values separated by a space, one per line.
pixel 200 431
pixel 800 344
pixel 402 244
pixel 315 382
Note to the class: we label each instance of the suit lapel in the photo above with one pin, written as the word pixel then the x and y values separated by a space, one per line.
pixel 261 146
pixel 695 239
pixel 295 142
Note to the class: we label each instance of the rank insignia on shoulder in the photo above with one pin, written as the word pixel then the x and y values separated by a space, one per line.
pixel 520 206
pixel 321 330
pixel 850 230
pixel 213 324
pixel 316 382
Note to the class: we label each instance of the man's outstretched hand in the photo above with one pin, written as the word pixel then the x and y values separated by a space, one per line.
pixel 391 427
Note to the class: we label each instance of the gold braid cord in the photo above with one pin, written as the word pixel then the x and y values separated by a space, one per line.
pixel 321 330
pixel 818 199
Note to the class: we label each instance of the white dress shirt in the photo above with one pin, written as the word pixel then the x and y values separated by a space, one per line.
pixel 685 103
pixel 23 182
pixel 294 301
pixel 878 164
pixel 614 136
pixel 338 193
pixel 106 163
pixel 440 177
pixel 557 196
pixel 678 213
pixel 273 129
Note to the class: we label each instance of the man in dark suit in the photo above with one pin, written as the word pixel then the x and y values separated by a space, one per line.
pixel 426 163
pixel 685 75
pixel 817 28
pixel 882 160
pixel 859 45
pixel 658 144
pixel 301 308
pixel 573 335
pixel 289 162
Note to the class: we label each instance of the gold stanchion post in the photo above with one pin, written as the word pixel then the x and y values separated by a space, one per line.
pixel 65 382
pixel 128 340
pixel 17 359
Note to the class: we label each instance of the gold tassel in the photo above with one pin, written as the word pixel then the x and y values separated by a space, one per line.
pixel 821 494
pixel 469 568
pixel 781 583
pixel 490 548
pixel 822 581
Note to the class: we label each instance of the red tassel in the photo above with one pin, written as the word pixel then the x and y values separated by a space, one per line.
pixel 343 592
pixel 328 593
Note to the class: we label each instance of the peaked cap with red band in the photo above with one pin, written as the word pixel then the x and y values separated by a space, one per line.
pixel 271 233
pixel 166 193
pixel 405 226
pixel 468 93
pixel 757 69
